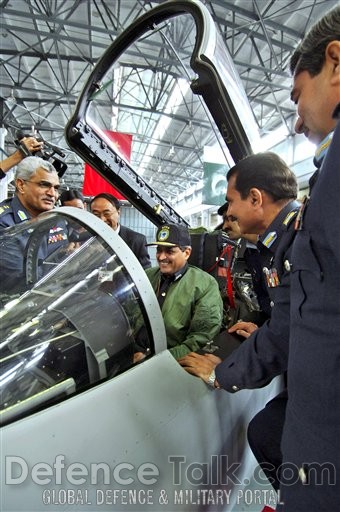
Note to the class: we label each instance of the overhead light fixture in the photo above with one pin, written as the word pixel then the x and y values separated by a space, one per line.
pixel 179 91
pixel 11 99
pixel 116 88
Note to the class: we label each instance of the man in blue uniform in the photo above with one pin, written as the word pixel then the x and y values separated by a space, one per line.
pixel 262 192
pixel 311 436
pixel 311 442
pixel 37 186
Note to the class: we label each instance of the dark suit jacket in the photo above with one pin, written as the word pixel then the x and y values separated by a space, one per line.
pixel 137 243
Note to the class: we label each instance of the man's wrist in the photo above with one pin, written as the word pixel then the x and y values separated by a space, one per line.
pixel 212 380
pixel 16 157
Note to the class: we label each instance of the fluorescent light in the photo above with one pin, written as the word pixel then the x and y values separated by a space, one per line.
pixel 179 91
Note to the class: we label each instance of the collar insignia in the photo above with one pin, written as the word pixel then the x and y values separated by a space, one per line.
pixel 270 239
pixel 22 215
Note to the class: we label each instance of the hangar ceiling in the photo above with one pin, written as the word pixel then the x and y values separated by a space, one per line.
pixel 49 47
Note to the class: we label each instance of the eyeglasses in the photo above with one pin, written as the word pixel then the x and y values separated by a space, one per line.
pixel 45 185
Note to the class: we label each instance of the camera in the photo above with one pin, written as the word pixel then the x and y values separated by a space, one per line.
pixel 49 152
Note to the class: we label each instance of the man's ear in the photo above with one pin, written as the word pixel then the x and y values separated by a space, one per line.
pixel 333 57
pixel 187 252
pixel 19 184
pixel 255 196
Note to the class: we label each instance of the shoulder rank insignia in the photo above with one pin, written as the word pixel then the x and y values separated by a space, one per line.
pixel 299 219
pixel 289 217
pixel 321 150
pixel 270 239
pixel 4 208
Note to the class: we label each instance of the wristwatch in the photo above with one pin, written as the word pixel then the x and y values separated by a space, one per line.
pixel 211 380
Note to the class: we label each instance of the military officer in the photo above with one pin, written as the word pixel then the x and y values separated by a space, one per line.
pixel 37 188
pixel 261 195
pixel 310 444
pixel 251 366
pixel 262 192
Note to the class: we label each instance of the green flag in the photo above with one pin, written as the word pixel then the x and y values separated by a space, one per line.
pixel 214 183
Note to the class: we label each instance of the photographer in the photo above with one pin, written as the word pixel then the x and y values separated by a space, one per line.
pixel 31 144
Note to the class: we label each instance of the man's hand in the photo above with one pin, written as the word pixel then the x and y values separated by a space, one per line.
pixel 31 144
pixel 138 356
pixel 199 365
pixel 243 328
pixel 71 247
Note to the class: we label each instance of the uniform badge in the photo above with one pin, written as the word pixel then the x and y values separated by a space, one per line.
pixel 163 234
pixel 56 234
pixel 289 217
pixel 272 278
pixel 22 215
pixel 4 208
pixel 270 239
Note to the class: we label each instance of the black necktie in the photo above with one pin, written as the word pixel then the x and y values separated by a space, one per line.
pixel 164 283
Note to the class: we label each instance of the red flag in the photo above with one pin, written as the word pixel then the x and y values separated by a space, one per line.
pixel 94 183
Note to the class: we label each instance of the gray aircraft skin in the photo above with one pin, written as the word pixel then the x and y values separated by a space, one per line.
pixel 84 426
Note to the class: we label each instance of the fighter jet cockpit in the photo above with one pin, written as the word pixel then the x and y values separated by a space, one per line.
pixel 75 316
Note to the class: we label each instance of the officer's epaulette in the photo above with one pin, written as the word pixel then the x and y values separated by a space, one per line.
pixel 289 217
pixel 4 208
pixel 321 150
